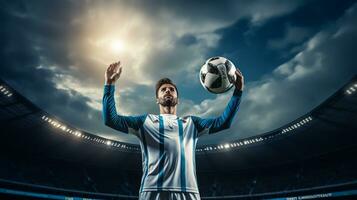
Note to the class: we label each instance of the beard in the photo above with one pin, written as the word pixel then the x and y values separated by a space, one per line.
pixel 168 102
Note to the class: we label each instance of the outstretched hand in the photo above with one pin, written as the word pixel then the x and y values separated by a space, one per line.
pixel 239 82
pixel 112 73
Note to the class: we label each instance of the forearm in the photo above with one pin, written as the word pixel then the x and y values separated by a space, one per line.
pixel 225 120
pixel 109 110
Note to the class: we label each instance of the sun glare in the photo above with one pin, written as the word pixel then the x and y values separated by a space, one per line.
pixel 117 45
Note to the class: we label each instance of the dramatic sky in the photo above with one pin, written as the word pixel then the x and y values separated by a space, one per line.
pixel 293 54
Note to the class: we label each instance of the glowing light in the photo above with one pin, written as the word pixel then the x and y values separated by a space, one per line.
pixel 77 133
pixel 117 45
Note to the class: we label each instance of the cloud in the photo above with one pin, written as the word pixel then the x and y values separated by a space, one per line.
pixel 292 36
pixel 56 53
pixel 326 62
pixel 260 13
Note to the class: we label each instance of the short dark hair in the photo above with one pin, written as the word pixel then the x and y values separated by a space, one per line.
pixel 164 81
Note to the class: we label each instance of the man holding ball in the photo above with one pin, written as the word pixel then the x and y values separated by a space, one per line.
pixel 167 142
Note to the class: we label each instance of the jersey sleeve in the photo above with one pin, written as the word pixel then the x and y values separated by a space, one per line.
pixel 125 124
pixel 213 125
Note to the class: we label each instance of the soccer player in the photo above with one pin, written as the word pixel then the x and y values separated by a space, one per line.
pixel 167 142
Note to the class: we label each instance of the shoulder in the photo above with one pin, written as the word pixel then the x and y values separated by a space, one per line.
pixel 187 119
pixel 152 117
pixel 194 118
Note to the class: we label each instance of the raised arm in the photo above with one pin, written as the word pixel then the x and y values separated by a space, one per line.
pixel 126 124
pixel 224 121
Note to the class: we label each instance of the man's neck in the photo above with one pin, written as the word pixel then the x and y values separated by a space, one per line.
pixel 168 110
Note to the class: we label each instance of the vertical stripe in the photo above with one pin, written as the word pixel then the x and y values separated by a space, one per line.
pixel 194 152
pixel 146 158
pixel 162 156
pixel 183 159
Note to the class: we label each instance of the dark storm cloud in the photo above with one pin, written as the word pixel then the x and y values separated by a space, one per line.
pixel 187 40
pixel 213 11
pixel 250 46
pixel 195 19
pixel 326 63
pixel 30 44
pixel 41 57
pixel 44 24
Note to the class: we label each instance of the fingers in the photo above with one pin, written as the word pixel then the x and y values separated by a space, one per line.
pixel 117 67
pixel 119 70
pixel 239 72
pixel 116 75
pixel 110 68
pixel 114 67
pixel 113 76
pixel 239 82
pixel 114 70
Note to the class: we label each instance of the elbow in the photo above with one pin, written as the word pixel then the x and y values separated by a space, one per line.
pixel 226 126
pixel 107 121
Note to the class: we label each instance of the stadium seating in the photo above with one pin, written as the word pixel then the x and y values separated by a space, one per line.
pixel 311 157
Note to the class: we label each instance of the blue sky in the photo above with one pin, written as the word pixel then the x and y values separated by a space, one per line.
pixel 293 55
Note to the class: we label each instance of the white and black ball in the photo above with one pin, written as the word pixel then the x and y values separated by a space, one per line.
pixel 217 75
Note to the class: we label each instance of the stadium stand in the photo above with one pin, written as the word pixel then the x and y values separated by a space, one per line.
pixel 42 156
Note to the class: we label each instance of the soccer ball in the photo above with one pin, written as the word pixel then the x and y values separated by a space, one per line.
pixel 217 75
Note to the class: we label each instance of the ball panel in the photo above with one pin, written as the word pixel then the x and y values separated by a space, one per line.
pixel 217 75
pixel 213 58
pixel 212 80
pixel 228 65
pixel 218 61
pixel 216 84
pixel 212 68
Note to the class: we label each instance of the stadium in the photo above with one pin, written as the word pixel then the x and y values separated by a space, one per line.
pixel 311 157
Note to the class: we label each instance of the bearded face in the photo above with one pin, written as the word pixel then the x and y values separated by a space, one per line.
pixel 167 95
pixel 168 101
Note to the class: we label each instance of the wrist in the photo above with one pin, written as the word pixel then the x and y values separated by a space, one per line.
pixel 107 82
pixel 237 92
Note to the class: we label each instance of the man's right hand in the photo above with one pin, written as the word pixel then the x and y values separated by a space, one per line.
pixel 112 73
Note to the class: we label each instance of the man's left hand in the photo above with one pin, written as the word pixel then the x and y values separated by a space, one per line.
pixel 239 82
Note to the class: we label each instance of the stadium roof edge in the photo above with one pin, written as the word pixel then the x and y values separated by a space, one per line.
pixel 310 113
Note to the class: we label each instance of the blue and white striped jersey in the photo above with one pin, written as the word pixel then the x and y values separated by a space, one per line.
pixel 168 142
